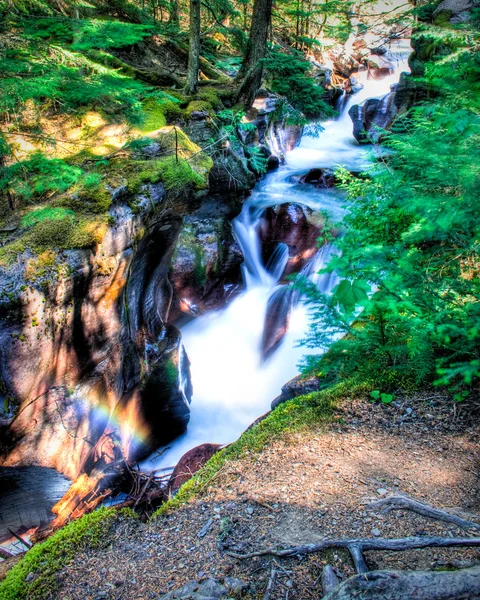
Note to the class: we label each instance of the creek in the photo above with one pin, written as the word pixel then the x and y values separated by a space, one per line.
pixel 232 384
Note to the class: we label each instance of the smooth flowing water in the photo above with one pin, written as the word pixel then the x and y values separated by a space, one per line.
pixel 232 385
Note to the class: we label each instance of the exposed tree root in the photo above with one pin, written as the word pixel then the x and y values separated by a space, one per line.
pixel 356 545
pixel 409 585
pixel 404 503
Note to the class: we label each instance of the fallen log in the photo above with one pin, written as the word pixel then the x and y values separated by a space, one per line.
pixel 409 585
pixel 386 505
pixel 152 498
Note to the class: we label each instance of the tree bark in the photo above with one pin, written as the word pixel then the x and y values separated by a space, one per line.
pixel 251 72
pixel 420 585
pixel 194 49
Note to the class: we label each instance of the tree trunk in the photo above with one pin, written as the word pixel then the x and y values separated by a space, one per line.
pixel 173 18
pixel 251 72
pixel 194 49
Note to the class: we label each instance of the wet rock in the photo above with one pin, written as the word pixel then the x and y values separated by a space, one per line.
pixel 379 66
pixel 319 178
pixel 279 308
pixel 376 115
pixel 206 267
pixel 298 386
pixel 296 226
pixel 273 162
pixel 189 464
pixel 277 136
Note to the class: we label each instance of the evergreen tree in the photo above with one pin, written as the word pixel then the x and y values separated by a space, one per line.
pixel 250 74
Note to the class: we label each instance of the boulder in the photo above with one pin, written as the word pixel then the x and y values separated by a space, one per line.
pixel 457 11
pixel 295 225
pixel 277 318
pixel 298 386
pixel 319 178
pixel 206 268
pixel 191 462
pixel 376 115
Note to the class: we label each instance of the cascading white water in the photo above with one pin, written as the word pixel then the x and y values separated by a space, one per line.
pixel 232 385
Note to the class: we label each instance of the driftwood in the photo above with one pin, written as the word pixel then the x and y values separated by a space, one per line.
pixel 356 545
pixel 151 499
pixel 409 585
pixel 403 503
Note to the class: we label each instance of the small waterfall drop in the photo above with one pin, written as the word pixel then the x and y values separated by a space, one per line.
pixel 233 384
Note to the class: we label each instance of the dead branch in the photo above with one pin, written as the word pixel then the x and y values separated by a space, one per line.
pixel 270 583
pixel 403 503
pixel 5 553
pixel 421 585
pixel 360 545
pixel 20 539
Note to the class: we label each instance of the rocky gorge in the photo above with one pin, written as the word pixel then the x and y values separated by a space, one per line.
pixel 92 360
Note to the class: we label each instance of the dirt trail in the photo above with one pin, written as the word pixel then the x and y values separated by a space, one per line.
pixel 301 488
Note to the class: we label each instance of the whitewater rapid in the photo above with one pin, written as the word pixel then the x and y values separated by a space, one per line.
pixel 232 386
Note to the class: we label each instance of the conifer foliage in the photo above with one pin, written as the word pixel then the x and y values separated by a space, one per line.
pixel 411 250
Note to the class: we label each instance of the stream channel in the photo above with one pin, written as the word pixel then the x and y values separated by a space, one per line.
pixel 233 384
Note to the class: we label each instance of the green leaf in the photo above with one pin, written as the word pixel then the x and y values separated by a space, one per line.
pixel 350 294
pixel 387 398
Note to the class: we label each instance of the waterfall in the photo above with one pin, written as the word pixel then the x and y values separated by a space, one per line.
pixel 234 377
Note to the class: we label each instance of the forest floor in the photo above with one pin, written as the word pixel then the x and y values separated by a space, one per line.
pixel 303 487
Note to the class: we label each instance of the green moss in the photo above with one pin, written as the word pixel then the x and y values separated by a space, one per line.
pixel 154 116
pixel 198 106
pixel 210 95
pixel 442 19
pixel 313 410
pixel 62 234
pixel 46 559
pixel 44 213
pixel 177 175
pixel 89 199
